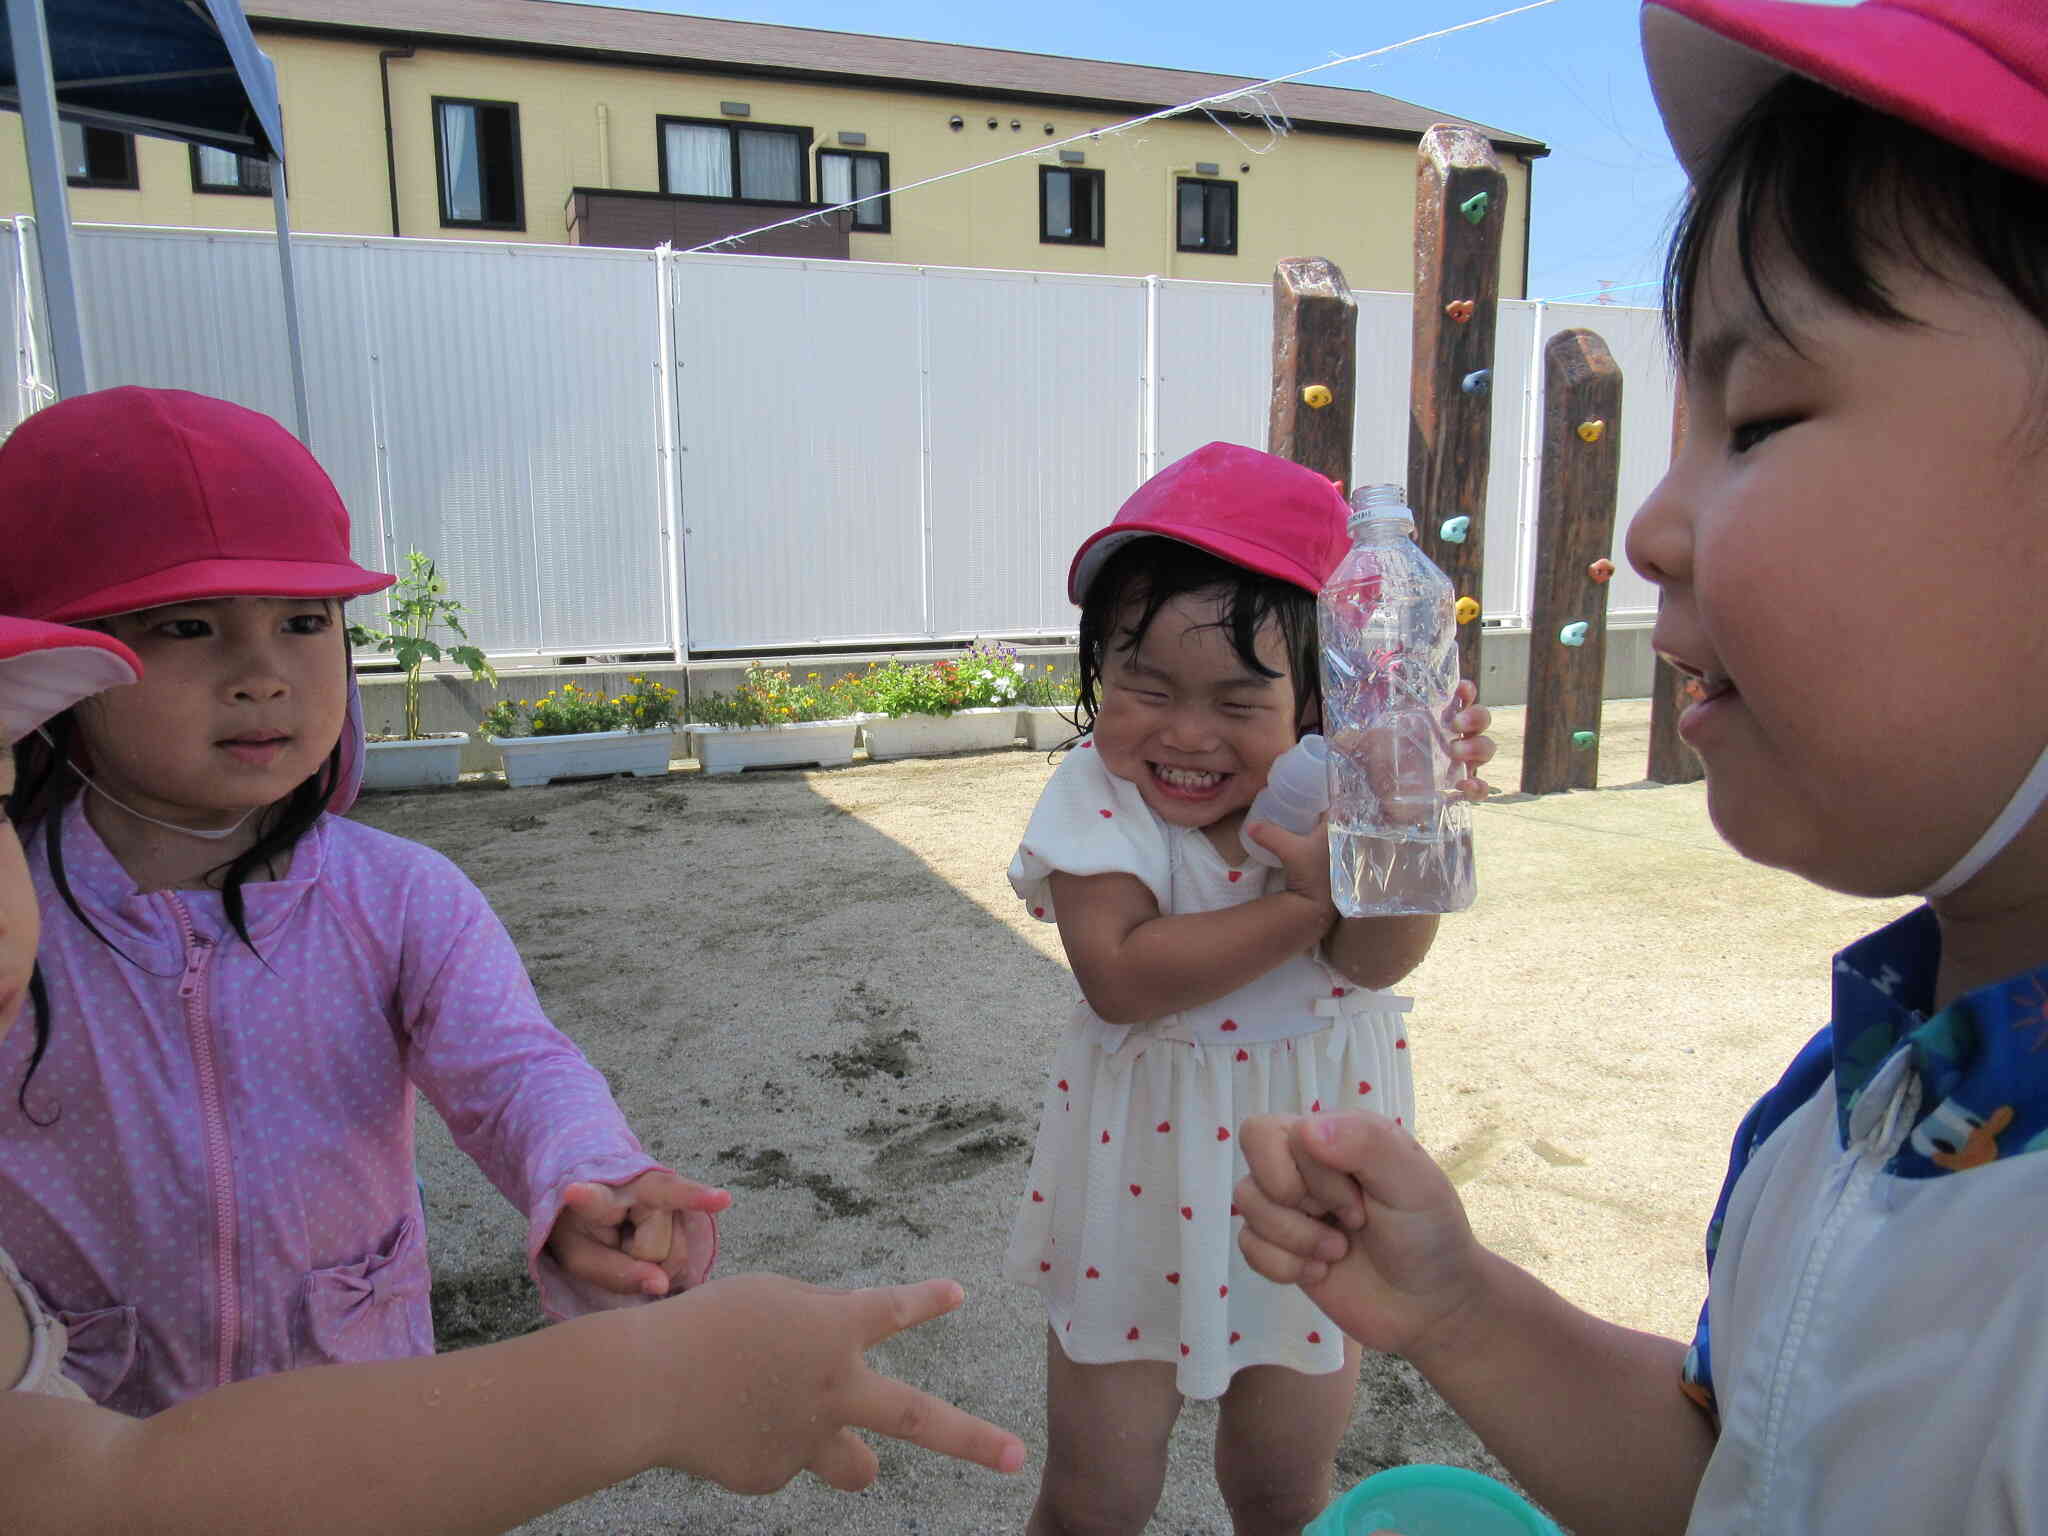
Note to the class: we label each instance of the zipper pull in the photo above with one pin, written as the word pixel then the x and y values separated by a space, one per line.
pixel 195 963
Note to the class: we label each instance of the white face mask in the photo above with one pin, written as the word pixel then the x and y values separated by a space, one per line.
pixel 2019 810
pixel 209 834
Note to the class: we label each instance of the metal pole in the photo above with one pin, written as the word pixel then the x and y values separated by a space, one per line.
pixel 291 299
pixel 34 81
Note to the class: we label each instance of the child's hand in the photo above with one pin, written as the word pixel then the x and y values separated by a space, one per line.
pixel 635 1238
pixel 1471 746
pixel 781 1382
pixel 1350 1208
pixel 1304 859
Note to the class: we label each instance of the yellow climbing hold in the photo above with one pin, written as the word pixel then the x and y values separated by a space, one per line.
pixel 1316 396
pixel 1592 431
pixel 1468 609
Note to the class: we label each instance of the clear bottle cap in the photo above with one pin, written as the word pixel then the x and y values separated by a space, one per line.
pixel 1380 504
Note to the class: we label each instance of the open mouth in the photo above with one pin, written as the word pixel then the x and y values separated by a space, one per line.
pixel 1191 784
pixel 1701 690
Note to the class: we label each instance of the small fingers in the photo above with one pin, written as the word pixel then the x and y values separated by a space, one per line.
pixel 846 1462
pixel 1279 1265
pixel 1288 1226
pixel 889 1309
pixel 1333 1193
pixel 608 1268
pixel 902 1412
pixel 653 1231
pixel 1267 1144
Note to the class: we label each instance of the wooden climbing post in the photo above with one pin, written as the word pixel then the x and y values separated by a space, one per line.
pixel 1460 207
pixel 1315 353
pixel 1671 760
pixel 1581 471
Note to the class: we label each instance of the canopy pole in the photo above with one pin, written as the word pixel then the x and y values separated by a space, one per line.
pixel 34 81
pixel 285 274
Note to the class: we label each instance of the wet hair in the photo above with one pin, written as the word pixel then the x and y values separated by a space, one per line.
pixel 1838 189
pixel 45 783
pixel 1152 572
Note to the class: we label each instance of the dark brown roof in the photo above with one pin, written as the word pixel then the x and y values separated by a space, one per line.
pixel 752 48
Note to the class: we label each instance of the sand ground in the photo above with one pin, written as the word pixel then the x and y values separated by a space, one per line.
pixel 817 989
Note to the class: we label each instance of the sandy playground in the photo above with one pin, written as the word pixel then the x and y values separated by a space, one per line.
pixel 818 990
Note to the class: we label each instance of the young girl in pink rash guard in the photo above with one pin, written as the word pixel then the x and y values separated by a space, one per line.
pixel 206 1143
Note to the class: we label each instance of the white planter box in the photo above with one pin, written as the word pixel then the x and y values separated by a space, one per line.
pixel 729 748
pixel 966 730
pixel 533 760
pixel 426 763
pixel 1044 726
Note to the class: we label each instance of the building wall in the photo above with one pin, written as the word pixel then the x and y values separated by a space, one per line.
pixel 594 125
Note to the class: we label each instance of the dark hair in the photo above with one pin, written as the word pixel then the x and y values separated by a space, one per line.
pixel 1153 572
pixel 45 782
pixel 1836 187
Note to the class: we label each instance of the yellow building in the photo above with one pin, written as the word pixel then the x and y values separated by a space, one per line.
pixel 535 120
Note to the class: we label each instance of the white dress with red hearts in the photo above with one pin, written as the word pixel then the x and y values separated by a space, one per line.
pixel 1126 1224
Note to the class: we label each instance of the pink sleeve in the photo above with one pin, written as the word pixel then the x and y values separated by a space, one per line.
pixel 519 1097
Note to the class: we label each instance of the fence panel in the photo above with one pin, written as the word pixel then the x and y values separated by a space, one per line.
pixel 1215 372
pixel 1035 402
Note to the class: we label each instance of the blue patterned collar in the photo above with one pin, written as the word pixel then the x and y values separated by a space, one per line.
pixel 1982 1061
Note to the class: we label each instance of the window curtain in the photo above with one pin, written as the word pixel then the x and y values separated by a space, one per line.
pixel 699 159
pixel 835 178
pixel 867 180
pixel 220 167
pixel 771 166
pixel 1059 206
pixel 461 179
pixel 1192 206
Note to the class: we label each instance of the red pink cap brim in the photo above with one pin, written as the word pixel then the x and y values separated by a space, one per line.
pixel 47 668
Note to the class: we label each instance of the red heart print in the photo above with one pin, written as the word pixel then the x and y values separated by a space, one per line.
pixel 1234 1337
pixel 1183 1349
pixel 1223 1133
pixel 1222 1290
pixel 1173 1277
pixel 1400 1045
pixel 1106 815
pixel 1163 1127
pixel 1070 1325
pixel 1397 1120
pixel 1037 1198
pixel 1043 1266
pixel 1094 1273
pixel 1316 1108
pixel 1063 1086
pixel 1314 1337
pixel 1105 1138
pixel 1137 1189
pixel 1336 991
pixel 1187 1213
pixel 1227 1025
pixel 1038 911
pixel 1364 1086
pixel 1236 875
pixel 1132 1335
pixel 1243 1054
pixel 1086 745
pixel 1235 1211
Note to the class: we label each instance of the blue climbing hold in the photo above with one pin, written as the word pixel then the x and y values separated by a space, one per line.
pixel 1574 634
pixel 1477 382
pixel 1455 529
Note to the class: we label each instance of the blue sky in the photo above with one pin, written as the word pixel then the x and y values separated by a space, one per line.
pixel 1570 74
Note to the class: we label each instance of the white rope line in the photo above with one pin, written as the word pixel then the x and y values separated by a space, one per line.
pixel 1279 127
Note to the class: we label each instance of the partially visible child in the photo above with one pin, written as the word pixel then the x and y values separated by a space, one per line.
pixel 1851 547
pixel 451 1444
pixel 209 1170
pixel 1212 987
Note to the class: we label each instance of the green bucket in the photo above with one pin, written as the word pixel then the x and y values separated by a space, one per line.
pixel 1428 1500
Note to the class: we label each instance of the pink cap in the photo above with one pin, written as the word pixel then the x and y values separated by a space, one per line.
pixel 1265 513
pixel 1974 72
pixel 47 668
pixel 132 498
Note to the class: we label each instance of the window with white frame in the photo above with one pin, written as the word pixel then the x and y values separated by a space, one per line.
pixel 476 155
pixel 753 162
pixel 845 174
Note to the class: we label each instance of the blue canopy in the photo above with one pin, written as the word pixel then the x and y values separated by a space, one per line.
pixel 181 69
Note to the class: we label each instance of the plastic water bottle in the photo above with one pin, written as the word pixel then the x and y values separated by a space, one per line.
pixel 1297 792
pixel 1400 833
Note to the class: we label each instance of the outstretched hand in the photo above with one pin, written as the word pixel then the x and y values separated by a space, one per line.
pixel 637 1238
pixel 1470 745
pixel 1350 1208
pixel 782 1372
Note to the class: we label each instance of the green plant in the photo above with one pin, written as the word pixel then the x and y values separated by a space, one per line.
pixel 570 711
pixel 420 605
pixel 770 696
pixel 1044 683
pixel 986 676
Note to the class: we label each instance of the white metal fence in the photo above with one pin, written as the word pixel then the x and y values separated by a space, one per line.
pixel 612 451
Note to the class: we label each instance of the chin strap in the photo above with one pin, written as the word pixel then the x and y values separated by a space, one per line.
pixel 208 834
pixel 2019 810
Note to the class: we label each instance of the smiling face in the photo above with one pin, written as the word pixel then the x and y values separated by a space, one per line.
pixel 18 918
pixel 1849 546
pixel 242 699
pixel 1185 719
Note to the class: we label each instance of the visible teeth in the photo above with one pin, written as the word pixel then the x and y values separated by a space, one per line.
pixel 1188 778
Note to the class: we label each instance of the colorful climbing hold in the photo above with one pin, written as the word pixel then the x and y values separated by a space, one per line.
pixel 1600 572
pixel 1316 396
pixel 1573 634
pixel 1584 739
pixel 1459 310
pixel 1592 431
pixel 1474 207
pixel 1454 529
pixel 1477 382
pixel 1468 609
